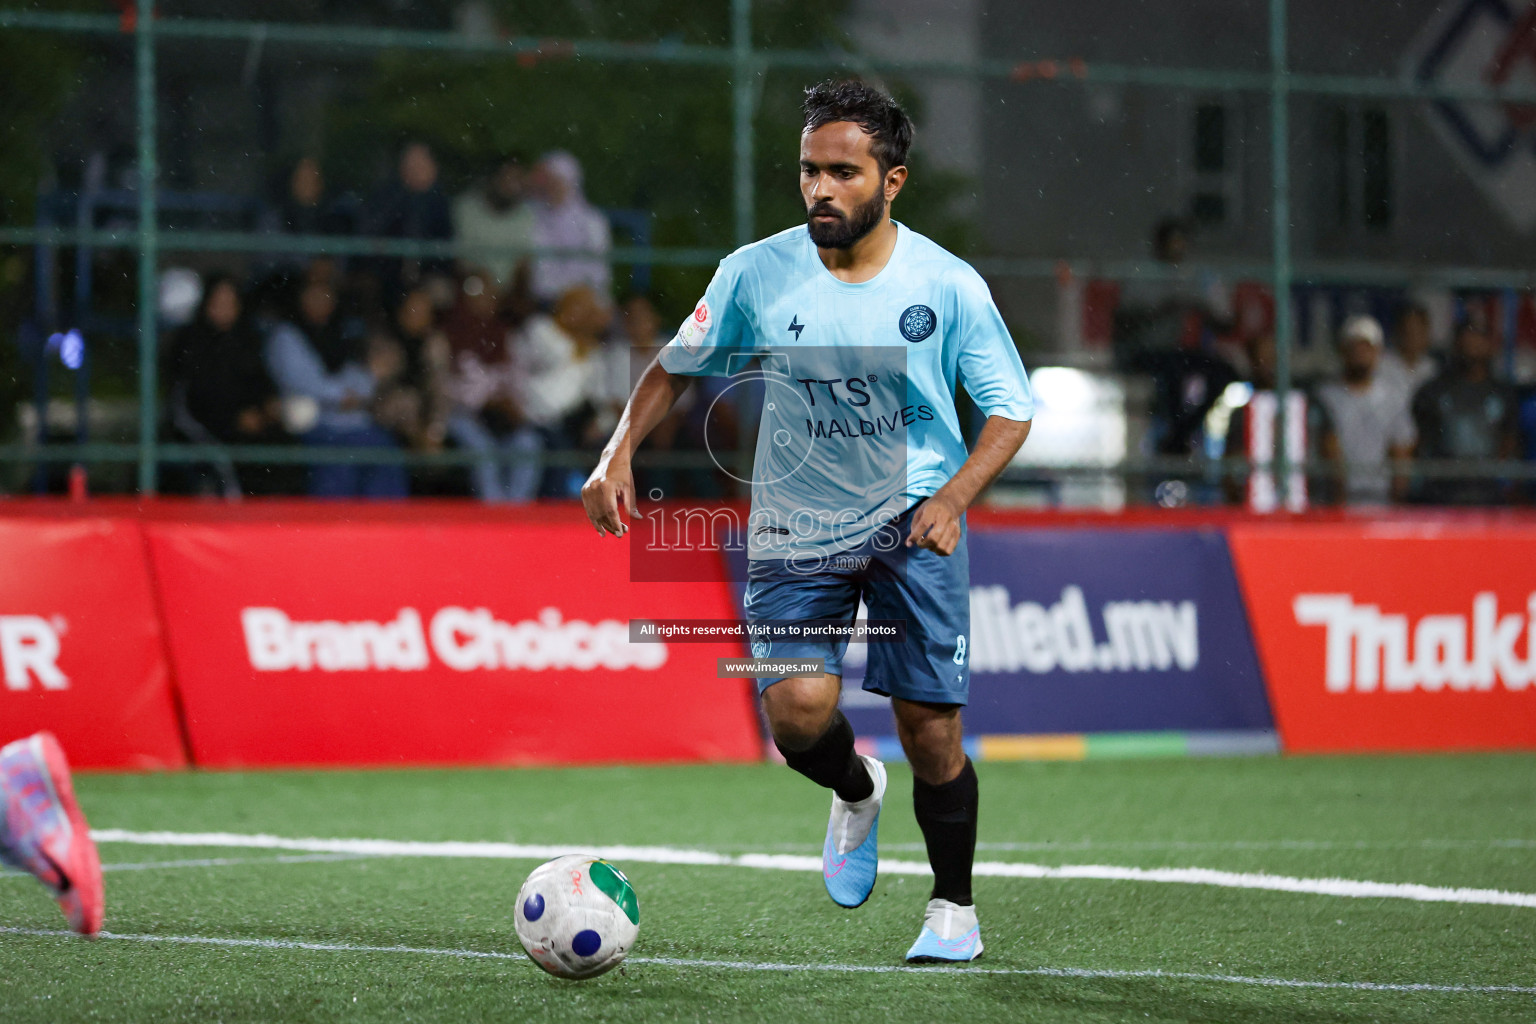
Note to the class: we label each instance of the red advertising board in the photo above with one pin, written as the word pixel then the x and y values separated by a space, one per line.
pixel 81 651
pixel 378 642
pixel 1394 637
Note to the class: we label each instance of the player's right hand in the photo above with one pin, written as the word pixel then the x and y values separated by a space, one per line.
pixel 607 494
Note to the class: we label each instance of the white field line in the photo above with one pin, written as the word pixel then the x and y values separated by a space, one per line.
pixel 1235 844
pixel 226 862
pixel 755 965
pixel 214 862
pixel 1343 887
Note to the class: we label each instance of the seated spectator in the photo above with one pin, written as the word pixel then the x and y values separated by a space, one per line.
pixel 425 363
pixel 398 404
pixel 1370 432
pixel 485 416
pixel 564 219
pixel 1409 364
pixel 217 369
pixel 640 334
pixel 567 382
pixel 1465 413
pixel 318 360
pixel 221 392
pixel 491 220
pixel 588 318
pixel 640 331
pixel 1251 434
pixel 305 209
pixel 705 417
pixel 411 206
pixel 640 328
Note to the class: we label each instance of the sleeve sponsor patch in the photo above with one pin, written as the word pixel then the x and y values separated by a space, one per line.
pixel 695 327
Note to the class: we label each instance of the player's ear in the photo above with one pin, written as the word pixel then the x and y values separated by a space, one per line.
pixel 894 179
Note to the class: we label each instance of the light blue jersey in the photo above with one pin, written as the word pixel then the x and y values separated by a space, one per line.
pixel 857 381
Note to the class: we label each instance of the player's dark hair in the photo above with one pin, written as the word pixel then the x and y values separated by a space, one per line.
pixel 877 115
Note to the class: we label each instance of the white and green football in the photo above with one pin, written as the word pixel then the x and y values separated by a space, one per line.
pixel 577 916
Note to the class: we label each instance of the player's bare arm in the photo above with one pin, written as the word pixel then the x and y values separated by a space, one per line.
pixel 936 523
pixel 610 490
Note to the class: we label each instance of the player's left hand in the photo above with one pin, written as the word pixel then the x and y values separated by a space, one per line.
pixel 936 524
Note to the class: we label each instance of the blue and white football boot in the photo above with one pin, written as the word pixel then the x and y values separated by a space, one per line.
pixel 850 858
pixel 950 935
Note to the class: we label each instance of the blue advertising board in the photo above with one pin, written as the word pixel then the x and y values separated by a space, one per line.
pixel 1095 631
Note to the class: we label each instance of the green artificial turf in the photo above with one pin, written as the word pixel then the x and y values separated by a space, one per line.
pixel 1441 821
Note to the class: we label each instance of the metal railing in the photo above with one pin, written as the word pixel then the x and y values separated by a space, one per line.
pixel 745 64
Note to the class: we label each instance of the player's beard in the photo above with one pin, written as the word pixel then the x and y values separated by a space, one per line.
pixel 848 228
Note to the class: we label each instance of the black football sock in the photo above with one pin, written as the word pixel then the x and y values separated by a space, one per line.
pixel 947 816
pixel 831 762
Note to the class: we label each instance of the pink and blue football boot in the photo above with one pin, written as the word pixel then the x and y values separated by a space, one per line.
pixel 43 832
pixel 851 855
pixel 950 934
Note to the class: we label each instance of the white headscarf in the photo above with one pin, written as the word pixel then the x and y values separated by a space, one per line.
pixel 573 224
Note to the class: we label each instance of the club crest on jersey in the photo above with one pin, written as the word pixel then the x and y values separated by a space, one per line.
pixel 917 322
pixel 695 327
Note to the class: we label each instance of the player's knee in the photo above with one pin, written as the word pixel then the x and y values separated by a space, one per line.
pixel 799 708
pixel 925 719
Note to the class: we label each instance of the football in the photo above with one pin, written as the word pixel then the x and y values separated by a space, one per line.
pixel 577 916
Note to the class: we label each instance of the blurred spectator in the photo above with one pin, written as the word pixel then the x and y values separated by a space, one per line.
pixel 1527 417
pixel 397 402
pixel 1370 432
pixel 321 363
pixel 485 416
pixel 306 209
pixel 217 369
pixel 1252 430
pixel 1186 384
pixel 491 220
pixel 426 357
pixel 1465 413
pixel 588 318
pixel 568 383
pixel 1166 328
pixel 411 206
pixel 565 220
pixel 639 338
pixel 705 417
pixel 1409 364
pixel 640 326
pixel 221 392
pixel 640 330
pixel 1175 310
